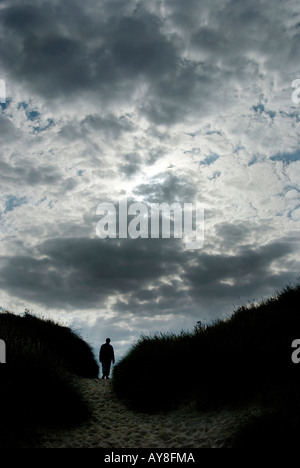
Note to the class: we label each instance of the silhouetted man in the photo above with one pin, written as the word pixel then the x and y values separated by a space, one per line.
pixel 106 357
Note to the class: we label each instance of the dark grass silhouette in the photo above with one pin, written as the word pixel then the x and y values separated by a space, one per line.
pixel 37 384
pixel 242 359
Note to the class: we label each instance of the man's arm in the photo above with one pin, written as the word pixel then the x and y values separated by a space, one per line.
pixel 113 355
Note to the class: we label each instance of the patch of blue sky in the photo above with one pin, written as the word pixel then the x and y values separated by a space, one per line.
pixel 272 114
pixel 204 131
pixel 13 202
pixel 213 132
pixel 238 148
pixel 292 187
pixel 293 115
pixel 80 172
pixel 287 158
pixel 194 134
pixel 193 151
pixel 253 161
pixel 39 129
pixel 6 104
pixel 215 175
pixel 41 201
pixel 260 108
pixel 209 160
pixel 291 212
pixel 22 105
pixel 33 115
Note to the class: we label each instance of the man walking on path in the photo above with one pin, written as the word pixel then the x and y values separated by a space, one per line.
pixel 106 357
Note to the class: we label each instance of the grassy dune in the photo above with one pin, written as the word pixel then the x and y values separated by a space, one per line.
pixel 243 359
pixel 37 384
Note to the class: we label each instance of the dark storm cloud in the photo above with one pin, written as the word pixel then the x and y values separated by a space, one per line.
pixel 111 49
pixel 230 30
pixel 37 54
pixel 242 267
pixel 228 235
pixel 60 49
pixel 84 273
pixel 138 46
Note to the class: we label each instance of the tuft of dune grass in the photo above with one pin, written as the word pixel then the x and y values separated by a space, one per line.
pixel 37 383
pixel 245 357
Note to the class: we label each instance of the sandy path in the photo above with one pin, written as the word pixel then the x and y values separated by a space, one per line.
pixel 112 425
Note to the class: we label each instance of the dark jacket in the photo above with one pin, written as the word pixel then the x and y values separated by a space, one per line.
pixel 107 353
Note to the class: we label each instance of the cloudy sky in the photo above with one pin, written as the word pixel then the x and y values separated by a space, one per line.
pixel 157 101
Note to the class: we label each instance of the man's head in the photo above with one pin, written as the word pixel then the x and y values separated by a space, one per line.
pixel 108 340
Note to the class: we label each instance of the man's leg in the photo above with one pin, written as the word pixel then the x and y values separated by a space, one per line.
pixel 106 370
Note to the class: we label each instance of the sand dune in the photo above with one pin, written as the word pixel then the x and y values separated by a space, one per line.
pixel 112 425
